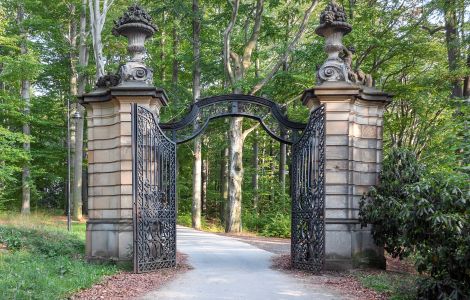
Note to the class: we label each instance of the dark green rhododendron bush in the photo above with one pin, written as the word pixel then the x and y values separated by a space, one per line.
pixel 426 216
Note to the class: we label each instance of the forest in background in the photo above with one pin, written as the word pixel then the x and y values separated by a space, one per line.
pixel 419 51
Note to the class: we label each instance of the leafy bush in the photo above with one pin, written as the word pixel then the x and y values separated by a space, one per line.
pixel 184 219
pixel 385 202
pixel 270 224
pixel 279 226
pixel 427 215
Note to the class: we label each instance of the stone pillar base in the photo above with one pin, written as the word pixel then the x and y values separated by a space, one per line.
pixel 109 240
pixel 349 246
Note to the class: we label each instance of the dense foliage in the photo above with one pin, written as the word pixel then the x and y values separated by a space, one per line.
pixel 424 215
pixel 416 50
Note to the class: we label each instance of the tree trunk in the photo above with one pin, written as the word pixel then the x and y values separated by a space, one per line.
pixel 235 175
pixel 174 77
pixel 282 167
pixel 25 95
pixel 466 83
pixel 162 50
pixel 453 45
pixel 255 179
pixel 272 167
pixel 97 43
pixel 97 20
pixel 78 158
pixel 204 177
pixel 72 39
pixel 224 185
pixel 196 203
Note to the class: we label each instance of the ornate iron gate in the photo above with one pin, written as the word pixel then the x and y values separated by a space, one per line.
pixel 154 193
pixel 308 195
pixel 154 176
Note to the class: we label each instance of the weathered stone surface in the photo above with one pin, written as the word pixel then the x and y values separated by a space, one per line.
pixel 353 156
pixel 110 176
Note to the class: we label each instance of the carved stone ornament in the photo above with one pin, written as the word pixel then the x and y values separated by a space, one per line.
pixel 333 26
pixel 136 25
pixel 108 80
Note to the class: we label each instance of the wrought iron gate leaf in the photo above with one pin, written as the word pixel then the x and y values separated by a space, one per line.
pixel 154 193
pixel 154 179
pixel 308 195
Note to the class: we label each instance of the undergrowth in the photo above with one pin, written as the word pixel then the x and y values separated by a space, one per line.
pixel 39 259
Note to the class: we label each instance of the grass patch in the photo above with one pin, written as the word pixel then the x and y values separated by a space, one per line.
pixel 399 286
pixel 43 260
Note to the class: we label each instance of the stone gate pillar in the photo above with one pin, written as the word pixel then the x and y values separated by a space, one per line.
pixel 354 127
pixel 109 232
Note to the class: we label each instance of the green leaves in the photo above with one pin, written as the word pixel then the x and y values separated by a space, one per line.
pixel 427 215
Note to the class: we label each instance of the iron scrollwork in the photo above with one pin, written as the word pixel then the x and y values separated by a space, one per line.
pixel 308 195
pixel 154 194
pixel 267 112
pixel 154 186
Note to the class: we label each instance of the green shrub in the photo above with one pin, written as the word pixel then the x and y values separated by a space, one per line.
pixel 427 215
pixel 184 220
pixel 254 222
pixel 436 222
pixel 268 224
pixel 384 203
pixel 279 226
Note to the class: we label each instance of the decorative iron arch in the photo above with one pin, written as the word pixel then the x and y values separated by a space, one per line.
pixel 265 111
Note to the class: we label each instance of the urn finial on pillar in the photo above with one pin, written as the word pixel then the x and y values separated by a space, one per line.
pixel 136 25
pixel 333 26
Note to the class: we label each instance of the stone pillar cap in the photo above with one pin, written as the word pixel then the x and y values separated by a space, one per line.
pixel 130 90
pixel 337 88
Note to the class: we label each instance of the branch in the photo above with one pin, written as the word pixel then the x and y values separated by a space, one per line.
pixel 289 49
pixel 432 31
pixel 92 21
pixel 249 130
pixel 106 7
pixel 226 49
pixel 251 44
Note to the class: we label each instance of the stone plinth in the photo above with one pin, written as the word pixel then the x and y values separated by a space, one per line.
pixel 354 127
pixel 109 227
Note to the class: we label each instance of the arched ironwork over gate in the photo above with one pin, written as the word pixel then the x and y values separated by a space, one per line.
pixel 154 176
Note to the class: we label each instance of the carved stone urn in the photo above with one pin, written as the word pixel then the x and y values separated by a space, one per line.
pixel 333 26
pixel 136 25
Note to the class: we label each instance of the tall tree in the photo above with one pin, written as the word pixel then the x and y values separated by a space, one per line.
pixel 236 67
pixel 97 20
pixel 453 45
pixel 78 154
pixel 25 95
pixel 71 38
pixel 197 167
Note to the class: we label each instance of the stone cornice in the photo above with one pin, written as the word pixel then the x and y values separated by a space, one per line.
pixel 107 94
pixel 335 89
